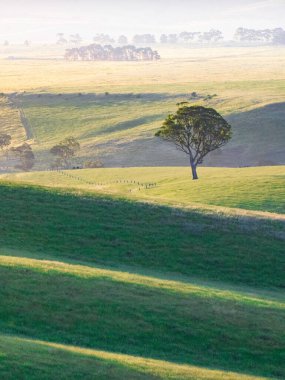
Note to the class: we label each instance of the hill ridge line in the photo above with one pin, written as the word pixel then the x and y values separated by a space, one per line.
pixel 223 210
pixel 143 363
pixel 175 286
pixel 212 210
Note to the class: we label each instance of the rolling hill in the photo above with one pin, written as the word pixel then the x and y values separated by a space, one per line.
pixel 101 282
pixel 134 271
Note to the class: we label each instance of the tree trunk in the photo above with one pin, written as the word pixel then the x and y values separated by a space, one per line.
pixel 194 171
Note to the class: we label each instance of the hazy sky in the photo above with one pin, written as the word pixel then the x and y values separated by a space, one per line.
pixel 40 20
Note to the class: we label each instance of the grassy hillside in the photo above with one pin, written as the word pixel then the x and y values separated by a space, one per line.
pixel 50 361
pixel 111 285
pixel 107 236
pixel 140 272
pixel 260 189
pixel 143 320
pixel 115 108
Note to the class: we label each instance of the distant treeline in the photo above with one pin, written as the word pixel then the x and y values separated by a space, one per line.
pixel 270 36
pixel 241 35
pixel 273 36
pixel 96 52
pixel 213 36
pixel 105 39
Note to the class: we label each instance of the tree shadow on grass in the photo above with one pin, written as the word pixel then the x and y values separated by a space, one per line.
pixel 90 99
pixel 125 125
pixel 258 138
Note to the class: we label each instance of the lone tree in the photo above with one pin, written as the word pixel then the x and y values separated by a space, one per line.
pixel 5 141
pixel 65 151
pixel 26 156
pixel 195 131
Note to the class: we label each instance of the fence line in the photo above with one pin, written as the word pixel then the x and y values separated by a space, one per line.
pixel 141 185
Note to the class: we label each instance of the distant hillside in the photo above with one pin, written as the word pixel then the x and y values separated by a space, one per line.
pixel 119 129
pixel 114 108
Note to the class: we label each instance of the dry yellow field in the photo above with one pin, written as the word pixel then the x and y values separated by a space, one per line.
pixel 177 67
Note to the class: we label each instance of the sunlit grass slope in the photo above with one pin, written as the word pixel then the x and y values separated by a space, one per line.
pixel 33 360
pixel 260 188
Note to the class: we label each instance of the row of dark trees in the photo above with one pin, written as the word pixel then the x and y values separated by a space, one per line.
pixel 96 52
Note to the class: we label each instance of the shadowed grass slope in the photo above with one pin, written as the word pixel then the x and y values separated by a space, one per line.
pixel 106 231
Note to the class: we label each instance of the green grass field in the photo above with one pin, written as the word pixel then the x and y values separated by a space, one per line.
pixel 259 189
pixel 143 284
pixel 51 361
pixel 134 271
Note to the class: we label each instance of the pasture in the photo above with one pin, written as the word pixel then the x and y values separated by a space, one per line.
pixel 134 278
pixel 115 108
pixel 259 189
pixel 134 271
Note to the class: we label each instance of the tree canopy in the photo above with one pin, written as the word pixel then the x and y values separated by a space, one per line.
pixel 5 140
pixel 26 156
pixel 196 131
pixel 64 151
